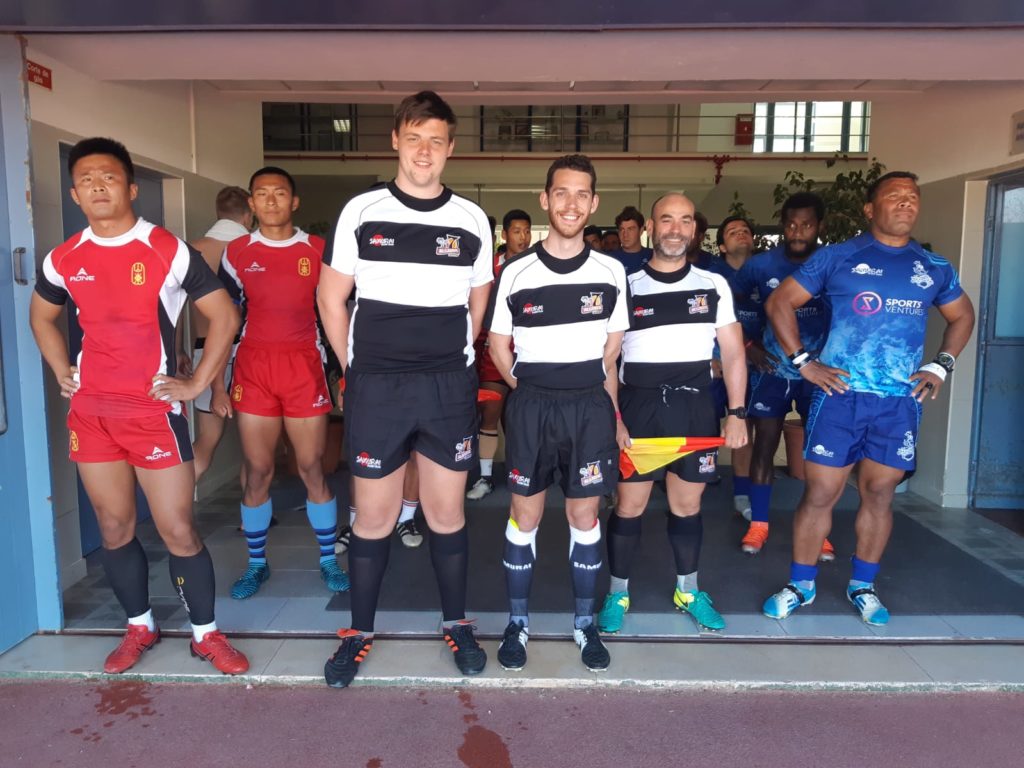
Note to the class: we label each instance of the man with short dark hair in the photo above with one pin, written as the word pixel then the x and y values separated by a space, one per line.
pixel 696 254
pixel 871 382
pixel 775 385
pixel 419 258
pixel 592 236
pixel 631 254
pixel 610 241
pixel 130 280
pixel 564 306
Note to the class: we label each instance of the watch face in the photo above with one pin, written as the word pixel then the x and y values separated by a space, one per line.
pixel 946 360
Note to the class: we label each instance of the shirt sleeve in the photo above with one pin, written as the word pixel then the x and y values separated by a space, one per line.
pixel 193 273
pixel 950 290
pixel 499 311
pixel 483 263
pixel 725 314
pixel 619 321
pixel 342 251
pixel 229 278
pixel 815 272
pixel 50 284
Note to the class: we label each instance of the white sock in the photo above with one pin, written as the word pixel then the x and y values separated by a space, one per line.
pixel 618 585
pixel 351 516
pixel 686 582
pixel 408 511
pixel 486 467
pixel 199 630
pixel 144 620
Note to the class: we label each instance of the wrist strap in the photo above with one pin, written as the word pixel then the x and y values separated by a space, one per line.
pixel 935 369
pixel 800 358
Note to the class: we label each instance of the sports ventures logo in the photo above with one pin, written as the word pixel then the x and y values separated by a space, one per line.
pixel 138 273
pixel 707 464
pixel 379 241
pixel 906 451
pixel 867 303
pixel 533 309
pixel 448 246
pixel 864 269
pixel 519 479
pixel 366 460
pixel 821 450
pixel 81 276
pixel 591 474
pixel 158 453
pixel 642 312
pixel 592 304
pixel 464 449
pixel 921 278
pixel 698 304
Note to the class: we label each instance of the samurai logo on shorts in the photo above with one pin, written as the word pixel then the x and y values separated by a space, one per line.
pixel 906 451
pixel 464 449
pixel 366 460
pixel 593 304
pixel 448 246
pixel 74 441
pixel 707 464
pixel 519 479
pixel 591 473
pixel 236 393
pixel 921 278
pixel 698 304
pixel 138 273
pixel 305 269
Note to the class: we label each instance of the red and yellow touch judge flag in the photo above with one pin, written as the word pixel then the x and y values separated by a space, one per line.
pixel 647 454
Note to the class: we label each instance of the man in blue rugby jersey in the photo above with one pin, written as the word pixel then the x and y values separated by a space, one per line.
pixel 870 378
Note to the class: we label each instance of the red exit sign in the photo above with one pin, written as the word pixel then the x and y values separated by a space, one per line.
pixel 39 74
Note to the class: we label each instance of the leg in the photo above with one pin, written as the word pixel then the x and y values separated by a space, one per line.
pixel 685 535
pixel 767 433
pixel 624 526
pixel 584 556
pixel 408 533
pixel 211 430
pixel 259 436
pixel 521 552
pixel 813 519
pixel 490 415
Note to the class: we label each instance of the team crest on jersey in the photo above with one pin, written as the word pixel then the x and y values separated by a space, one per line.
pixel 593 304
pixel 464 449
pixel 138 273
pixel 906 451
pixel 236 393
pixel 448 246
pixel 518 478
pixel 591 473
pixel 707 464
pixel 305 268
pixel 699 304
pixel 921 278
pixel 74 441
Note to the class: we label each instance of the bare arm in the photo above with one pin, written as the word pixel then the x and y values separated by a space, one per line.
pixel 43 317
pixel 959 315
pixel 478 306
pixel 734 366
pixel 332 298
pixel 500 348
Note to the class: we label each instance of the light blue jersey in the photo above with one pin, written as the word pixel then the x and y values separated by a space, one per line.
pixel 762 275
pixel 879 298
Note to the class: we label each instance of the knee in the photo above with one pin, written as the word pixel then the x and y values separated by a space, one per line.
pixel 181 538
pixel 822 495
pixel 258 474
pixel 877 494
pixel 115 532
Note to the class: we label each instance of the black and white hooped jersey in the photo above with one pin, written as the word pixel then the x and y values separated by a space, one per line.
pixel 559 313
pixel 674 319
pixel 414 262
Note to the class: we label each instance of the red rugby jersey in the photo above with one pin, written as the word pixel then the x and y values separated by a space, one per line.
pixel 276 280
pixel 128 293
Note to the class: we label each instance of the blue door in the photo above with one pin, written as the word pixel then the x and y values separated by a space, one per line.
pixel 150 206
pixel 30 598
pixel 998 462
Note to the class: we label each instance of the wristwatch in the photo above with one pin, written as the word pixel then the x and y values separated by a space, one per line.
pixel 946 360
pixel 739 413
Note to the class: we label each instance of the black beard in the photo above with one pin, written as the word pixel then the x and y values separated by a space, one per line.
pixel 811 248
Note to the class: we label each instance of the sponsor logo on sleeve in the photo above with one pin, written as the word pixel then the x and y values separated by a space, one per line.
pixel 533 309
pixel 448 246
pixel 366 460
pixel 379 241
pixel 921 278
pixel 592 304
pixel 138 273
pixel 464 449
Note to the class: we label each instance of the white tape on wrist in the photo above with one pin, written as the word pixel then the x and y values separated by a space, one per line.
pixel 935 369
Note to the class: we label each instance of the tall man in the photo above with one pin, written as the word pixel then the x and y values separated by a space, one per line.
pixel 631 254
pixel 516 231
pixel 234 220
pixel 564 306
pixel 880 285
pixel 279 380
pixel 130 280
pixel 678 313
pixel 776 386
pixel 420 259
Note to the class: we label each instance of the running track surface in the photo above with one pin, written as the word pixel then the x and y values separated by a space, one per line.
pixel 126 724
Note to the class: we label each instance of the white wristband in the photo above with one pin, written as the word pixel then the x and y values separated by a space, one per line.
pixel 934 369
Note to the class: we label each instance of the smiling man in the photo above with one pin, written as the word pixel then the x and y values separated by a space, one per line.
pixel 420 260
pixel 871 383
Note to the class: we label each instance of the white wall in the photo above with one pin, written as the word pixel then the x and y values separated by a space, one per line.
pixel 198 141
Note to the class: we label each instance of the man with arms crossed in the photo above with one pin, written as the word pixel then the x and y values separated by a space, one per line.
pixel 564 306
pixel 678 313
pixel 880 285
pixel 130 280
pixel 419 257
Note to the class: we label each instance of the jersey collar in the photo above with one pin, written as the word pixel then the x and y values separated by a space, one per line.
pixel 419 203
pixel 666 277
pixel 562 266
pixel 298 237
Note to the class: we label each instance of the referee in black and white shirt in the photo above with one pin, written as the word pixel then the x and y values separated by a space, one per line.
pixel 677 311
pixel 419 258
pixel 565 308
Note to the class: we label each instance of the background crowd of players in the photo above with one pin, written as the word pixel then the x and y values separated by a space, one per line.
pixel 573 346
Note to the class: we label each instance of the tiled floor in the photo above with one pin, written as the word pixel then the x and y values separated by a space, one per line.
pixel 949 574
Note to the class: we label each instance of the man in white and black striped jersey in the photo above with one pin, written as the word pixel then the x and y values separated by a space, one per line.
pixel 564 306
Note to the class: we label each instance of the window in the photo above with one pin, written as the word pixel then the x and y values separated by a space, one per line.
pixel 595 128
pixel 309 127
pixel 812 126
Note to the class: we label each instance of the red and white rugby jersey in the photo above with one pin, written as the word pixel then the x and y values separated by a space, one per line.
pixel 128 292
pixel 276 280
